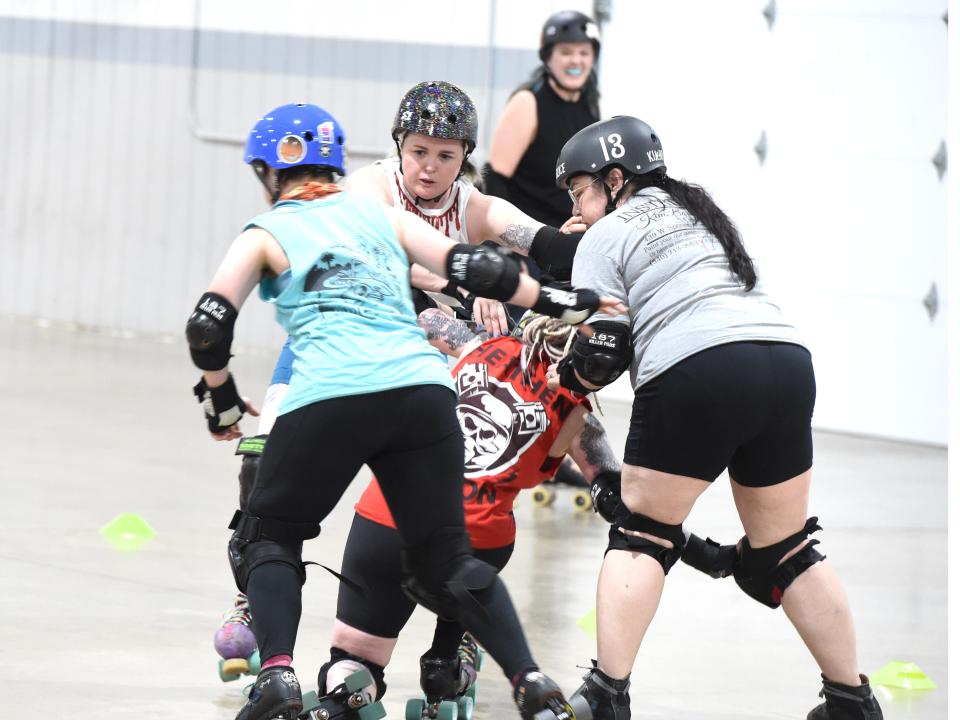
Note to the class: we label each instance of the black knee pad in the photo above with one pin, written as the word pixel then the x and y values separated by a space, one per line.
pixel 758 573
pixel 667 557
pixel 338 654
pixel 256 541
pixel 445 577
pixel 251 448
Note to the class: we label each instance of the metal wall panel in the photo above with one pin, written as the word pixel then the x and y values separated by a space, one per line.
pixel 123 182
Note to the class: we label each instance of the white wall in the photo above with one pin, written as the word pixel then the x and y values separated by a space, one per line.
pixel 847 216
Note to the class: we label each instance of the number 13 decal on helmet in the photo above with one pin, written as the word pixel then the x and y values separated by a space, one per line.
pixel 617 150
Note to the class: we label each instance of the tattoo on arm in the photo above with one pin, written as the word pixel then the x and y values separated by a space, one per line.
pixel 449 332
pixel 518 237
pixel 595 453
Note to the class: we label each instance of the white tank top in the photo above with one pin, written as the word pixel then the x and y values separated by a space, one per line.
pixel 450 218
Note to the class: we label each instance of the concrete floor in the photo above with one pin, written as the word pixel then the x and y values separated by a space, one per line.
pixel 96 425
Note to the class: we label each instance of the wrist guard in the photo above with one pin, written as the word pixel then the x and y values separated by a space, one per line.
pixel 572 306
pixel 222 405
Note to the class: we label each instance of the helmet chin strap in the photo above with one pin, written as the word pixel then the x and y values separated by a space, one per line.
pixel 263 175
pixel 613 201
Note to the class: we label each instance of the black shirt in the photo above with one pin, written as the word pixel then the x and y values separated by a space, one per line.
pixel 532 187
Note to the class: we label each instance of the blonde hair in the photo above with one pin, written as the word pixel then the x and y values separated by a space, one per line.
pixel 545 339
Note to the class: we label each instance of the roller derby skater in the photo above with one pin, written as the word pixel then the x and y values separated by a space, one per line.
pixel 725 384
pixel 514 437
pixel 336 264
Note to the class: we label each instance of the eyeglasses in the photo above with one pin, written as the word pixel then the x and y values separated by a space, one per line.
pixel 575 195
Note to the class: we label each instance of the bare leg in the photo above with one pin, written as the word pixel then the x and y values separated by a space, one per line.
pixel 815 602
pixel 374 648
pixel 630 583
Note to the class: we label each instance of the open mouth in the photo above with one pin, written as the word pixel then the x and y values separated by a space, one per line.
pixel 574 71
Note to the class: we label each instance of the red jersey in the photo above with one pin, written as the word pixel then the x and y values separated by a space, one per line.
pixel 509 425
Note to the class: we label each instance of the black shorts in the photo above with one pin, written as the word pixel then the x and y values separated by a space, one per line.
pixel 372 558
pixel 743 406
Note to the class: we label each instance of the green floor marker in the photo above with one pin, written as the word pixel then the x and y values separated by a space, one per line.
pixel 127 532
pixel 905 675
pixel 588 623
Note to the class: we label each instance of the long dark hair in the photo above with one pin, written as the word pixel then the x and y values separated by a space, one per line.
pixel 590 92
pixel 697 201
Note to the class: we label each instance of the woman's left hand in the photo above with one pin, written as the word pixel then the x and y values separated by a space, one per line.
pixel 574 224
pixel 492 315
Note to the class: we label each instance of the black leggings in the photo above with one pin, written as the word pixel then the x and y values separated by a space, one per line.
pixel 372 559
pixel 411 439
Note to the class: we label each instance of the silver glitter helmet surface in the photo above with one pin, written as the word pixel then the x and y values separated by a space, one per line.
pixel 437 109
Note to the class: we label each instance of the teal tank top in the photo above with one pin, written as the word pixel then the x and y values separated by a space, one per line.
pixel 345 301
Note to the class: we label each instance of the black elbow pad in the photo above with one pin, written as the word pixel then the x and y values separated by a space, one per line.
pixel 553 251
pixel 484 271
pixel 210 331
pixel 599 359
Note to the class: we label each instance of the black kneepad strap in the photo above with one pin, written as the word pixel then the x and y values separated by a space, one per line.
pixel 256 541
pixel 487 272
pixel 667 557
pixel 210 331
pixel 445 577
pixel 709 556
pixel 760 576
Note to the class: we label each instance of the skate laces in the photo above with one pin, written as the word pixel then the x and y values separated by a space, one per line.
pixel 240 613
pixel 468 650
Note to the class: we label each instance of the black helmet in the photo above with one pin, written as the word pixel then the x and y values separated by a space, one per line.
pixel 568 26
pixel 440 110
pixel 621 141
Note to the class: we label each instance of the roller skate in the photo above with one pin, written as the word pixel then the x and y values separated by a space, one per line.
pixel 446 683
pixel 235 643
pixel 568 475
pixel 539 698
pixel 845 702
pixel 608 698
pixel 352 698
pixel 471 660
pixel 274 696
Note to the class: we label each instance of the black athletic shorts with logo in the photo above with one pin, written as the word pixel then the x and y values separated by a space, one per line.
pixel 743 406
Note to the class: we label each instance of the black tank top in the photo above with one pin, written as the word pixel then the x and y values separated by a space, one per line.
pixel 532 187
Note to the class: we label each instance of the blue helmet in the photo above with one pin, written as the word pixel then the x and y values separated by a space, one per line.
pixel 297 134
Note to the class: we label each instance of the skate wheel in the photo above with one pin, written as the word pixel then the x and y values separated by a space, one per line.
pixel 480 654
pixel 465 705
pixel 358 680
pixel 582 501
pixel 254 662
pixel 448 710
pixel 232 669
pixel 543 497
pixel 310 702
pixel 372 712
pixel 471 692
pixel 415 709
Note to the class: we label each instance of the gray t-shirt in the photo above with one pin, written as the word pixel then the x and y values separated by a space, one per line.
pixel 674 277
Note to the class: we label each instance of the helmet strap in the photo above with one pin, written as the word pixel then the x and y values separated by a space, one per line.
pixel 553 77
pixel 263 175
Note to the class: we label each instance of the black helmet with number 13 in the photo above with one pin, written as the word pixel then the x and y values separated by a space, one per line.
pixel 621 141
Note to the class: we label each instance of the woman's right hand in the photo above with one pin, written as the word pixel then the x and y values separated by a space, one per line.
pixel 492 315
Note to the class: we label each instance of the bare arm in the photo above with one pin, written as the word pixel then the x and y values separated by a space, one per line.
pixel 448 334
pixel 253 252
pixel 492 218
pixel 429 247
pixel 591 451
pixel 515 132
